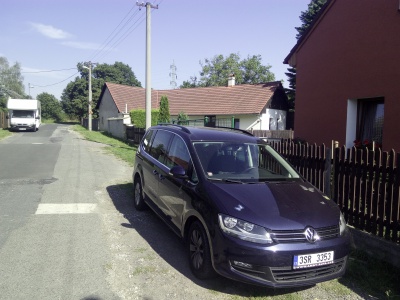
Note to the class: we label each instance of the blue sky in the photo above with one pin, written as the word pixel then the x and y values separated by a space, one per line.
pixel 48 35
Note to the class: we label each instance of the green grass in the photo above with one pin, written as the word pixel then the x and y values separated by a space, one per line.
pixel 4 133
pixel 373 276
pixel 120 149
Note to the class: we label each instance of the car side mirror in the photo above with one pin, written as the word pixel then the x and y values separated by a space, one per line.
pixel 178 172
pixel 7 117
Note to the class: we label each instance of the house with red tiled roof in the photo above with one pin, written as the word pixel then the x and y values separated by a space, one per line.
pixel 347 82
pixel 251 106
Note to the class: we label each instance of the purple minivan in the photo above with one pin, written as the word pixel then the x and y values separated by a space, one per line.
pixel 243 211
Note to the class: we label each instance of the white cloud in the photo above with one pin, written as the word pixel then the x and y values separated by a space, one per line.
pixel 85 45
pixel 50 31
pixel 81 45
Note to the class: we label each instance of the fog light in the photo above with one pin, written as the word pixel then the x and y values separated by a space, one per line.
pixel 242 264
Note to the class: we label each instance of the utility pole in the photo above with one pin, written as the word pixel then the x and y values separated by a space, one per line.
pixel 149 6
pixel 89 67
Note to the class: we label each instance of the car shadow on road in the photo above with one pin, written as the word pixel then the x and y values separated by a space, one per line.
pixel 172 249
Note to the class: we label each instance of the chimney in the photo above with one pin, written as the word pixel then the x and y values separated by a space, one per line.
pixel 231 80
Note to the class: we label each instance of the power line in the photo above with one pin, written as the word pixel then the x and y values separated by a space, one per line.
pixel 120 34
pixel 126 34
pixel 42 86
pixel 46 71
pixel 111 36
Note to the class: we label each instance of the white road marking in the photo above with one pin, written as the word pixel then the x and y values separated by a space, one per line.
pixel 68 208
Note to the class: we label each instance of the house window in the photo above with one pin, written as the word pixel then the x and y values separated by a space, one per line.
pixel 370 120
pixel 210 120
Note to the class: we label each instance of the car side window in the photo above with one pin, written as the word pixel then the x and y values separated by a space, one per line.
pixel 160 145
pixel 178 154
pixel 147 140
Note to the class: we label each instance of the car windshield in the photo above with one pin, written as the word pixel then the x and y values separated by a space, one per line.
pixel 22 114
pixel 243 162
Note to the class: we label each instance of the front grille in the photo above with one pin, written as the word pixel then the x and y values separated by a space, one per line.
pixel 287 274
pixel 297 236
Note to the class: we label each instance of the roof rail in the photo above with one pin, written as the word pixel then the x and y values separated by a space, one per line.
pixel 234 129
pixel 183 128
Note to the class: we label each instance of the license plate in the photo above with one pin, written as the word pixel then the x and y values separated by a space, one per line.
pixel 312 260
pixel 22 129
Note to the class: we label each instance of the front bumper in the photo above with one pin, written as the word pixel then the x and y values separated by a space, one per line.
pixel 22 126
pixel 273 265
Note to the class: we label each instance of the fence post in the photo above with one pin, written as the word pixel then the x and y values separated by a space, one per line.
pixel 328 172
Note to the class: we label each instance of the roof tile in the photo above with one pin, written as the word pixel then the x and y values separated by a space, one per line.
pixel 238 99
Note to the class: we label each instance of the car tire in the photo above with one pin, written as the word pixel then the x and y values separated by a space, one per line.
pixel 138 199
pixel 199 252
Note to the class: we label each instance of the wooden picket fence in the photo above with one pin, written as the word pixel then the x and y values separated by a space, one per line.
pixel 366 188
pixel 3 120
pixel 134 134
pixel 364 183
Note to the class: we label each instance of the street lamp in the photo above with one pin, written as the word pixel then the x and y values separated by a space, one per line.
pixel 90 96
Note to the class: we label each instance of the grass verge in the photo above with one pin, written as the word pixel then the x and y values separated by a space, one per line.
pixel 375 277
pixel 119 148
pixel 4 133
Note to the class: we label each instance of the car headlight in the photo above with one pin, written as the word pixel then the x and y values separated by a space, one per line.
pixel 342 224
pixel 244 230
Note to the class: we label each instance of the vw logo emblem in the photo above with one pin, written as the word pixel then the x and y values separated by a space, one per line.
pixel 311 235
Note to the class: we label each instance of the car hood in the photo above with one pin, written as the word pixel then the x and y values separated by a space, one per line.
pixel 276 205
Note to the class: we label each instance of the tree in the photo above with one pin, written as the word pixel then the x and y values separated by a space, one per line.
pixel 217 70
pixel 192 83
pixel 183 118
pixel 291 91
pixel 164 116
pixel 117 73
pixel 74 99
pixel 51 107
pixel 11 82
pixel 306 17
pixel 254 72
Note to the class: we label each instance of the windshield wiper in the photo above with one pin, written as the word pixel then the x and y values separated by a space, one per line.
pixel 227 180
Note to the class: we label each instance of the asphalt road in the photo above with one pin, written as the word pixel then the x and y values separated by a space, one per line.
pixel 68 230
pixel 52 241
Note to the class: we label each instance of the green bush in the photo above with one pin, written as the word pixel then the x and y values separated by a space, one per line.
pixel 138 117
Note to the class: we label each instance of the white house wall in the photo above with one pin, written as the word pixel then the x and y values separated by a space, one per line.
pixel 273 119
pixel 107 110
pixel 255 121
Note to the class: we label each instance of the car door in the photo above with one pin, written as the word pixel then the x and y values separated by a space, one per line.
pixel 173 191
pixel 154 162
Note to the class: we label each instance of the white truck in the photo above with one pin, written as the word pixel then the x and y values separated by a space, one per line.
pixel 24 114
